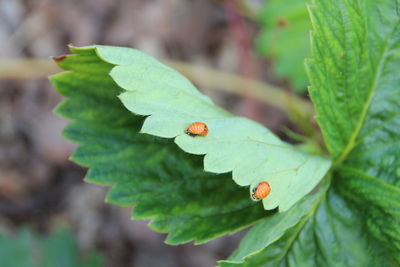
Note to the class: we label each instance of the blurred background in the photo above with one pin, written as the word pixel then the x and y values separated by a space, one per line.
pixel 229 49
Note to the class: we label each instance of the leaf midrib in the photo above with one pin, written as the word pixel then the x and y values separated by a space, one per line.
pixel 303 222
pixel 352 140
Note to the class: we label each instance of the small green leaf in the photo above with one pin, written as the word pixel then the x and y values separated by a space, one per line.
pixel 153 174
pixel 162 182
pixel 249 150
pixel 284 39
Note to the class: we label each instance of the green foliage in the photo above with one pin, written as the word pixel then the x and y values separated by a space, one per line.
pixel 355 89
pixel 163 182
pixel 57 250
pixel 272 228
pixel 352 218
pixel 152 173
pixel 248 150
pixel 328 234
pixel 284 38
pixel 356 93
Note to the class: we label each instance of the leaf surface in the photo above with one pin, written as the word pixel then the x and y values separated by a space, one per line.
pixel 356 92
pixel 329 234
pixel 153 174
pixel 355 89
pixel 250 151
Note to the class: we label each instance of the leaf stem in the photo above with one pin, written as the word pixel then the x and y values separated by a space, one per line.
pixel 34 68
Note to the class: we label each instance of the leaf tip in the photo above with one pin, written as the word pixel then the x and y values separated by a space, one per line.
pixel 59 58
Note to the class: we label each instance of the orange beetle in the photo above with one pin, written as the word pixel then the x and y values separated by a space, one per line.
pixel 197 128
pixel 261 191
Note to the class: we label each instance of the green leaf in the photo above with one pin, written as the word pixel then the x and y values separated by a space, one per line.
pixel 164 183
pixel 379 203
pixel 356 92
pixel 248 150
pixel 273 228
pixel 172 103
pixel 354 76
pixel 355 88
pixel 328 235
pixel 59 249
pixel 284 38
pixel 153 174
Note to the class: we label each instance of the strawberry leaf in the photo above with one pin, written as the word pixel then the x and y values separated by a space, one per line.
pixel 355 88
pixel 153 174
